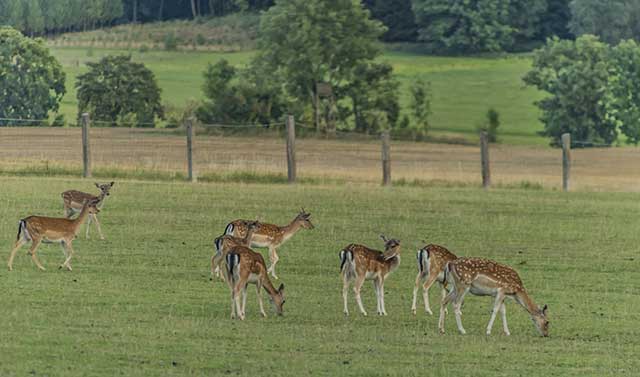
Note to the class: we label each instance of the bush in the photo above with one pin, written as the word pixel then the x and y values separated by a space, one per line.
pixel 170 42
pixel 421 104
pixel 143 48
pixel 491 124
pixel 115 89
pixel 201 40
pixel 25 60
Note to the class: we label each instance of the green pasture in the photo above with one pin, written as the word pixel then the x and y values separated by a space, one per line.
pixel 463 87
pixel 140 303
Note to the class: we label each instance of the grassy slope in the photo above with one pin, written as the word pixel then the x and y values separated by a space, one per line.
pixel 464 88
pixel 140 303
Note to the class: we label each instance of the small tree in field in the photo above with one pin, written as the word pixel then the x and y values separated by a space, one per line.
pixel 31 80
pixel 491 124
pixel 421 104
pixel 116 89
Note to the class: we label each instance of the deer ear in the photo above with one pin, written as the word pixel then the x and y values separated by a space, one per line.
pixel 544 309
pixel 112 183
pixel 97 184
pixel 383 238
pixel 281 288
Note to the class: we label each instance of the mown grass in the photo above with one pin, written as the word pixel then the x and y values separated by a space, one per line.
pixel 464 88
pixel 141 303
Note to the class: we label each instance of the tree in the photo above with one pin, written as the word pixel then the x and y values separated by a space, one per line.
pixel 465 25
pixel 31 80
pixel 115 89
pixel 555 22
pixel 397 16
pixel 305 42
pixel 576 75
pixel 611 20
pixel 421 104
pixel 623 100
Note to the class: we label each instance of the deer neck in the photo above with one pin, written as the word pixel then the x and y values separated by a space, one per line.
pixel 526 302
pixel 291 229
pixel 101 198
pixel 271 290
pixel 247 238
pixel 392 263
pixel 81 218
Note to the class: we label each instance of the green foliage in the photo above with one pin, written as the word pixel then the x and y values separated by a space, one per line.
pixel 115 89
pixel 420 104
pixel 233 96
pixel 623 99
pixel 304 42
pixel 611 20
pixel 170 41
pixel 32 82
pixel 491 124
pixel 397 16
pixel 576 75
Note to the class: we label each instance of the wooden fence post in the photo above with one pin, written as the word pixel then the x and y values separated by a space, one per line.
pixel 190 142
pixel 291 149
pixel 86 149
pixel 566 161
pixel 386 158
pixel 484 156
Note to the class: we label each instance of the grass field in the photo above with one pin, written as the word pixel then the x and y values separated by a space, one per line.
pixel 463 88
pixel 141 303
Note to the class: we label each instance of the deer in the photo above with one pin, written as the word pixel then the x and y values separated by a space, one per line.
pixel 38 229
pixel 72 201
pixel 359 263
pixel 483 277
pixel 271 236
pixel 244 266
pixel 225 243
pixel 431 262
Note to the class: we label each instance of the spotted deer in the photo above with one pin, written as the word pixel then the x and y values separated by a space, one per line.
pixel 359 263
pixel 271 236
pixel 72 201
pixel 431 261
pixel 225 243
pixel 39 229
pixel 244 266
pixel 483 277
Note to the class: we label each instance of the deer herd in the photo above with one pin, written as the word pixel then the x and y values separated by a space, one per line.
pixel 238 265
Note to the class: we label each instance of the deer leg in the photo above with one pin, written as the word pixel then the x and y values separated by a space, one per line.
pixel 67 261
pixel 456 307
pixel 88 226
pixel 376 288
pixel 503 311
pixel 95 219
pixel 19 243
pixel 259 292
pixel 496 307
pixel 443 305
pixel 357 286
pixel 444 294
pixel 244 299
pixel 381 292
pixel 64 251
pixel 237 296
pixel 345 291
pixel 273 257
pixel 216 259
pixel 425 292
pixel 32 251
pixel 415 291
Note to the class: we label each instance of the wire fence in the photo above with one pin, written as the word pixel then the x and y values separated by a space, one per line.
pixel 259 152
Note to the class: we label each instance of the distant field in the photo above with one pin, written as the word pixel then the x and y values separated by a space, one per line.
pixel 161 154
pixel 463 88
pixel 141 304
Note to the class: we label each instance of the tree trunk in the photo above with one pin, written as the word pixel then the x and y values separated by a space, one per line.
pixel 161 10
pixel 212 10
pixel 135 11
pixel 194 11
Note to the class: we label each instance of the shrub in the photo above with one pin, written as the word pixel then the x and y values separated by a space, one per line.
pixel 491 124
pixel 170 41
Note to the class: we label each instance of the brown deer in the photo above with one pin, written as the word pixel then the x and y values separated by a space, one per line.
pixel 225 243
pixel 72 201
pixel 431 262
pixel 39 229
pixel 359 263
pixel 483 277
pixel 244 266
pixel 271 236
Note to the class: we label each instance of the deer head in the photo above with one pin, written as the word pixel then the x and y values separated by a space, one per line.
pixel 278 299
pixel 540 320
pixel 304 218
pixel 391 247
pixel 104 188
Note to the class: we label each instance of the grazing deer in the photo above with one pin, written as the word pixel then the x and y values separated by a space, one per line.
pixel 39 229
pixel 359 263
pixel 225 243
pixel 431 262
pixel 72 201
pixel 244 266
pixel 483 277
pixel 271 236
